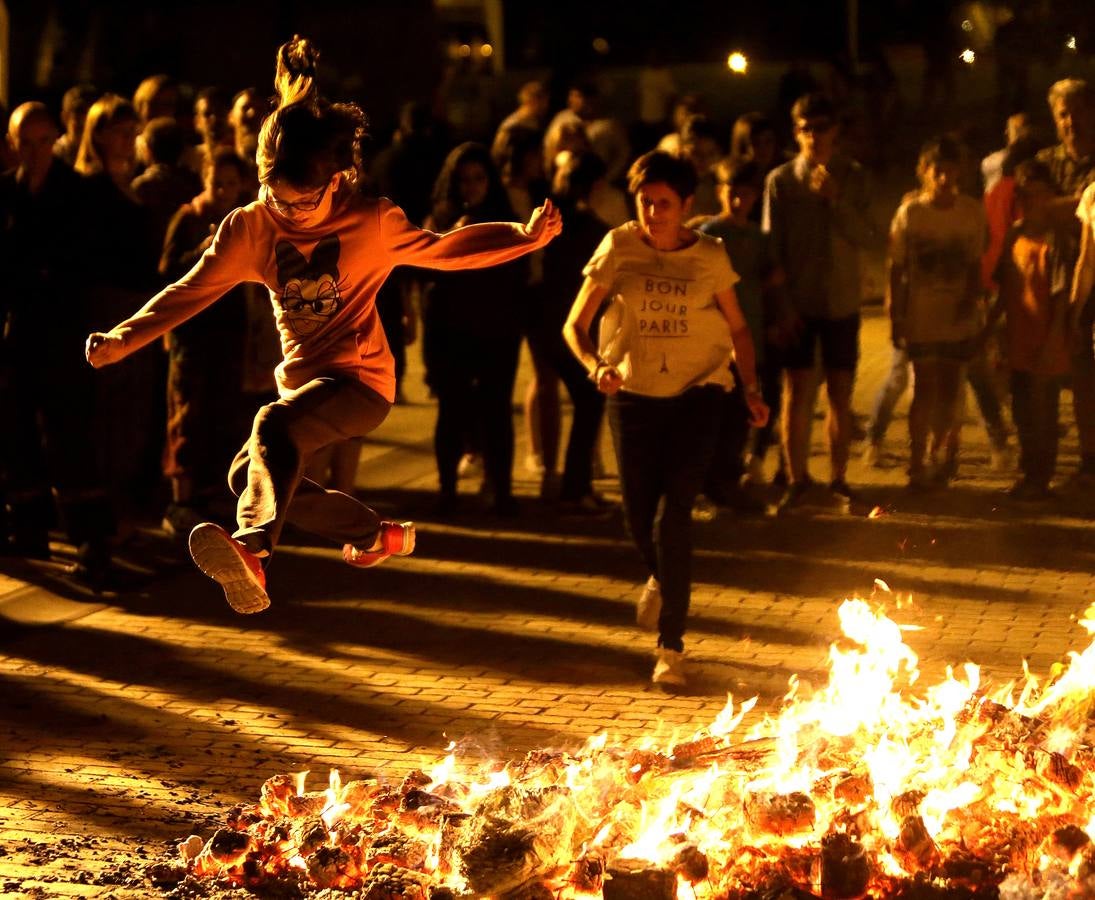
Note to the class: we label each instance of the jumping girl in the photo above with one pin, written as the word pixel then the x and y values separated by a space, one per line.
pixel 323 250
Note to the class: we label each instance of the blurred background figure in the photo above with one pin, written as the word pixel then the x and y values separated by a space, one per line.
pixel 207 417
pixel 472 334
pixel 47 395
pixel 74 106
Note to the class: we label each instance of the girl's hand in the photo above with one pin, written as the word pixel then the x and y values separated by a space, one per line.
pixel 608 379
pixel 544 224
pixel 104 349
pixel 758 409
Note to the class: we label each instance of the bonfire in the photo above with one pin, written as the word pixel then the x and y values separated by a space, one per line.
pixel 869 786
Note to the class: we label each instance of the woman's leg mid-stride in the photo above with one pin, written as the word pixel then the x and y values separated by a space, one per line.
pixel 267 477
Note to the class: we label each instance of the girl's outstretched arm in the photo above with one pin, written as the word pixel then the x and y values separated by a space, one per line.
pixel 227 262
pixel 470 247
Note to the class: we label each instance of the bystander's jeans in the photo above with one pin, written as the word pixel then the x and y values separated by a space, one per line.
pixel 892 390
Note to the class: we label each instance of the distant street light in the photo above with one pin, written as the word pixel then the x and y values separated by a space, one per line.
pixel 1070 43
pixel 737 62
pixel 968 56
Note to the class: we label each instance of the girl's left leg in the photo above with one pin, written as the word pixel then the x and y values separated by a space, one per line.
pixel 267 474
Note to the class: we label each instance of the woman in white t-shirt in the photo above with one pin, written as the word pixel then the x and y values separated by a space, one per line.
pixel 666 344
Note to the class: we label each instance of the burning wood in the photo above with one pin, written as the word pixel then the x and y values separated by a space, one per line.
pixel 781 814
pixel 852 790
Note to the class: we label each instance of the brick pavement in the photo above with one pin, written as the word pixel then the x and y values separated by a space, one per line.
pixel 133 720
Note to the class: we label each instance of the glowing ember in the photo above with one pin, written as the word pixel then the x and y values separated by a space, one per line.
pixel 862 787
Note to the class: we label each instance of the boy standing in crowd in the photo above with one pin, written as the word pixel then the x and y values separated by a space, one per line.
pixel 816 211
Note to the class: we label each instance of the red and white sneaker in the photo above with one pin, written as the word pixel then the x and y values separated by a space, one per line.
pixel 231 565
pixel 396 539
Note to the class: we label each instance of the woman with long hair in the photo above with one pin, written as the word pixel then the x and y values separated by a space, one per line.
pixel 323 250
pixel 472 333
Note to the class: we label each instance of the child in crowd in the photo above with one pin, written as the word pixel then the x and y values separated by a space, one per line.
pixel 1035 276
pixel 936 241
pixel 205 421
pixel 739 187
pixel 323 250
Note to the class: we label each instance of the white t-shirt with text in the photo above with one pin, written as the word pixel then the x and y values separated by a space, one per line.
pixel 677 336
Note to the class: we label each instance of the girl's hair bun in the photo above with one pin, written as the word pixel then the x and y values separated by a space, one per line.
pixel 299 57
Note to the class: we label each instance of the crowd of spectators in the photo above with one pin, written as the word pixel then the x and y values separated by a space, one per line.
pixel 107 199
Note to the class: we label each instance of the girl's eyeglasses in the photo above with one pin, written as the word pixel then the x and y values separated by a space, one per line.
pixel 288 207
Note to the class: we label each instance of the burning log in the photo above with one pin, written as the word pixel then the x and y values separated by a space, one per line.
pixel 393 883
pixel 241 818
pixel 309 836
pixel 358 797
pixel 419 799
pixel 691 864
pixel 587 875
pixel 223 850
pixel 907 804
pixel 780 814
pixel 629 879
pixel 309 804
pixel 682 754
pixel 275 793
pixel 1065 843
pixel 1055 768
pixel 854 790
pixel 331 867
pixel 514 835
pixel 397 849
pixel 639 762
pixel 963 870
pixel 915 846
pixel 845 870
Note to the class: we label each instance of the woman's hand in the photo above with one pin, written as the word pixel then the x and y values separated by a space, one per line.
pixel 607 379
pixel 758 409
pixel 544 224
pixel 104 349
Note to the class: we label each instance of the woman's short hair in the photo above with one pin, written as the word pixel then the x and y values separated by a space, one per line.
pixel 659 167
pixel 940 149
pixel 306 139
